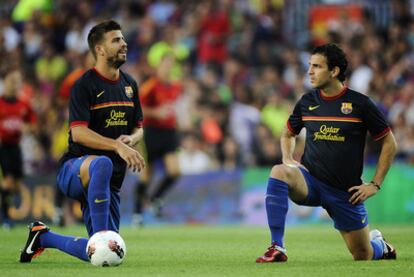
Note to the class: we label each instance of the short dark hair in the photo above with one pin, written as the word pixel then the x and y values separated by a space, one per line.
pixel 334 57
pixel 96 34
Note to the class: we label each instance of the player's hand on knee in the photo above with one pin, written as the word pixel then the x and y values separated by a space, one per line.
pixel 132 157
pixel 138 163
pixel 360 193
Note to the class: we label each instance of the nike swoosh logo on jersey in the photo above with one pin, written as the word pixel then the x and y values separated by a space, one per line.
pixel 99 94
pixel 311 108
pixel 363 220
pixel 29 248
pixel 97 201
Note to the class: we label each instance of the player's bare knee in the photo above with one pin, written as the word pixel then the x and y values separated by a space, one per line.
pixel 282 172
pixel 101 165
pixel 84 169
pixel 277 172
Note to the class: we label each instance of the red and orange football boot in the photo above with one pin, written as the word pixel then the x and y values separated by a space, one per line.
pixel 273 254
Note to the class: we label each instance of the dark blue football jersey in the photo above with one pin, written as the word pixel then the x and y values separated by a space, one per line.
pixel 110 108
pixel 336 129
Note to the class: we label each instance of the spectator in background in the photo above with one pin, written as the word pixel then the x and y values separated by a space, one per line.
pixel 14 115
pixel 75 37
pixel 191 158
pixel 229 154
pixel 266 149
pixel 25 9
pixel 214 30
pixel 161 11
pixel 236 72
pixel 168 44
pixel 9 37
pixel 243 118
pixel 50 68
pixel 159 95
pixel 32 41
pixel 362 74
pixel 275 113
pixel 211 130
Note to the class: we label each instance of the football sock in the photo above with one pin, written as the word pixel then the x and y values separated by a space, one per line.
pixel 100 171
pixel 74 246
pixel 141 194
pixel 276 209
pixel 378 247
pixel 165 185
pixel 6 198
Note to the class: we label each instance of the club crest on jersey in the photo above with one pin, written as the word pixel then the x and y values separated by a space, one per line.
pixel 346 108
pixel 129 92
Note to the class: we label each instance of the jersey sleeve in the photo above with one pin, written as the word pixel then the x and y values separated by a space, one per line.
pixel 138 110
pixel 375 121
pixel 295 123
pixel 79 112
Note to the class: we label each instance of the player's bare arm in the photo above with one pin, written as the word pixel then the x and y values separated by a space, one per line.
pixel 89 138
pixel 366 190
pixel 288 143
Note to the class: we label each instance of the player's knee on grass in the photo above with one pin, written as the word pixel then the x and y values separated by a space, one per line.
pixel 361 254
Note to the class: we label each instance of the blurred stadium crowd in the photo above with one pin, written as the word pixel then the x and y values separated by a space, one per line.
pixel 240 70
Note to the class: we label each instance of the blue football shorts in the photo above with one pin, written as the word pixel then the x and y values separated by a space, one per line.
pixel 69 182
pixel 346 217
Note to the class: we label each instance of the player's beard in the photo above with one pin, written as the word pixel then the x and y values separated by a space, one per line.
pixel 115 61
pixel 321 85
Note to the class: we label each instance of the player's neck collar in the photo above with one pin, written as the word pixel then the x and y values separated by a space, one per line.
pixel 330 98
pixel 106 79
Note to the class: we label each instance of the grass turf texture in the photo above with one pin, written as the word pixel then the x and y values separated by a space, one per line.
pixel 214 251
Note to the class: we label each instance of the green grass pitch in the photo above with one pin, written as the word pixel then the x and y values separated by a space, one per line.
pixel 214 251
